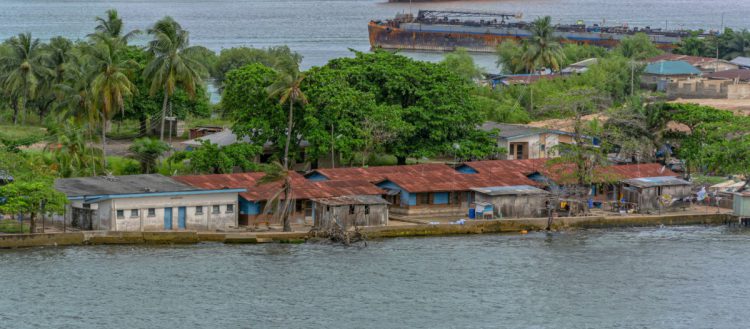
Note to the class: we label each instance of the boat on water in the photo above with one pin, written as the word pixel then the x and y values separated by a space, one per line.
pixel 438 30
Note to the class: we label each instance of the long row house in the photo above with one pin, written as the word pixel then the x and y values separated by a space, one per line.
pixel 361 196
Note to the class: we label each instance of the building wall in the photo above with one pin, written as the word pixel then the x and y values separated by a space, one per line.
pixel 741 206
pixel 648 198
pixel 738 91
pixel 539 145
pixel 325 215
pixel 698 88
pixel 516 206
pixel 207 221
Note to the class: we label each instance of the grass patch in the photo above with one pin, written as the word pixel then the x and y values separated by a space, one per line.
pixel 21 132
pixel 709 180
pixel 12 226
pixel 123 166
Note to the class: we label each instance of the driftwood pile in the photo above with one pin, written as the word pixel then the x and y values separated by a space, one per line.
pixel 336 234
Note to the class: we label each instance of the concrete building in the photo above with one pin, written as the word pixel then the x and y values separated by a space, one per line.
pixel 704 64
pixel 658 74
pixel 653 193
pixel 579 67
pixel 253 201
pixel 350 211
pixel 521 201
pixel 146 203
pixel 524 142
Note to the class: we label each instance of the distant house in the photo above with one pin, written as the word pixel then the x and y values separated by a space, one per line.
pixel 504 80
pixel 658 74
pixel 742 62
pixel 652 193
pixel 741 204
pixel 350 211
pixel 253 201
pixel 525 142
pixel 146 203
pixel 520 201
pixel 579 67
pixel 704 64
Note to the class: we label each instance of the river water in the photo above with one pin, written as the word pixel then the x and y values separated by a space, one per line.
pixel 676 277
pixel 325 29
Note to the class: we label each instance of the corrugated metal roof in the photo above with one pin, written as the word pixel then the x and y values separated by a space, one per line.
pixel 741 61
pixel 656 181
pixel 511 130
pixel 672 68
pixel 301 187
pixel 510 190
pixel 739 74
pixel 129 184
pixel 352 200
pixel 692 60
pixel 378 173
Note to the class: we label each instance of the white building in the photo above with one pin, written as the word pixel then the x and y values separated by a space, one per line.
pixel 146 203
pixel 524 142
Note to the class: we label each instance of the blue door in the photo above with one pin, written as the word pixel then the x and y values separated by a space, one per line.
pixel 181 217
pixel 167 218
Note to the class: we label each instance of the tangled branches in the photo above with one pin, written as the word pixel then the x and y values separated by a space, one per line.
pixel 336 234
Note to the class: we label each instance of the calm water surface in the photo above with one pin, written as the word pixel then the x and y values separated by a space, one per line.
pixel 683 277
pixel 325 29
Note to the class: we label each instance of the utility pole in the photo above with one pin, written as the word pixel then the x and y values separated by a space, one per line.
pixel 632 78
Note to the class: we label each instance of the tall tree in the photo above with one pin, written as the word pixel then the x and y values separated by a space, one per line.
pixel 22 71
pixel 543 48
pixel 287 88
pixel 738 45
pixel 637 47
pixel 112 26
pixel 110 83
pixel 173 63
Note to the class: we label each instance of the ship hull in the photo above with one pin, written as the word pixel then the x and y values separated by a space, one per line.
pixel 429 37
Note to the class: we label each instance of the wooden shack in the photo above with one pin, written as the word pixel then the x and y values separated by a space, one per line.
pixel 520 201
pixel 350 211
pixel 654 193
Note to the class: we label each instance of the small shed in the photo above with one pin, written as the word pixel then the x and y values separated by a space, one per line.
pixel 349 211
pixel 648 191
pixel 741 206
pixel 520 201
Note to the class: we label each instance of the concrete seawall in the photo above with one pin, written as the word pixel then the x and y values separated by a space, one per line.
pixel 472 227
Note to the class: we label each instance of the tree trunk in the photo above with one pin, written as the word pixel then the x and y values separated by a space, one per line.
pixel 32 224
pixel 400 160
pixel 333 158
pixel 286 211
pixel 288 136
pixel 15 112
pixel 104 142
pixel 163 114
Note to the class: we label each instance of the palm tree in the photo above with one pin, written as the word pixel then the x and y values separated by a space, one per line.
pixel 110 84
pixel 21 71
pixel 111 27
pixel 173 63
pixel 287 88
pixel 543 48
pixel 71 154
pixel 147 151
pixel 739 45
pixel 280 204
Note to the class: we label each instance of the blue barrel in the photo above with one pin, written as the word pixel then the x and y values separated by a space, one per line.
pixel 472 213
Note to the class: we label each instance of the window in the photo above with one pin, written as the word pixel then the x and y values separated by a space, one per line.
pixel 351 210
pixel 423 198
pixel 199 210
pixel 121 214
pixel 230 208
pixel 151 212
pixel 367 209
pixel 216 209
pixel 134 213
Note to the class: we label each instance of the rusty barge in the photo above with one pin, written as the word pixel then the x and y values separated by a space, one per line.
pixel 434 30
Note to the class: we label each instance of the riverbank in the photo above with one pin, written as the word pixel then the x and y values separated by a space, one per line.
pixel 393 231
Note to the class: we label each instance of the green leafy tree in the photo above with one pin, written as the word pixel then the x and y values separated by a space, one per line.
pixel 147 151
pixel 509 57
pixel 70 151
pixel 173 63
pixel 461 63
pixel 738 44
pixel 728 147
pixel 33 198
pixel 542 48
pixel 21 71
pixel 287 88
pixel 234 58
pixel 111 27
pixel 637 47
pixel 110 84
pixel 212 159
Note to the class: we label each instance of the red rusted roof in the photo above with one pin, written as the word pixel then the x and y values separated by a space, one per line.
pixel 563 173
pixel 301 187
pixel 378 173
